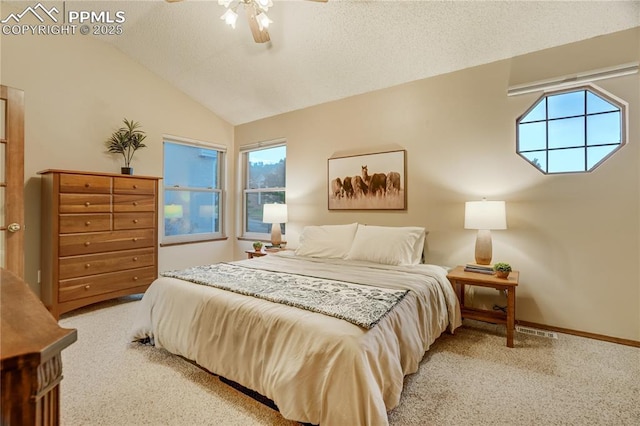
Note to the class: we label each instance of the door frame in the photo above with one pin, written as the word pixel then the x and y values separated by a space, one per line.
pixel 14 179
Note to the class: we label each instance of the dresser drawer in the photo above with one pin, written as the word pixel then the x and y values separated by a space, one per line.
pixel 93 285
pixel 85 184
pixel 74 223
pixel 79 266
pixel 85 203
pixel 133 220
pixel 134 203
pixel 98 242
pixel 134 186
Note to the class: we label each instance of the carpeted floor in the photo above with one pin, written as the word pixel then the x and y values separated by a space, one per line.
pixel 470 378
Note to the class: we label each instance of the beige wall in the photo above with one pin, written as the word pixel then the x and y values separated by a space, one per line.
pixel 77 91
pixel 574 237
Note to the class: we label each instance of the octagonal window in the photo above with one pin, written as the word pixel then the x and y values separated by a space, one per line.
pixel 572 131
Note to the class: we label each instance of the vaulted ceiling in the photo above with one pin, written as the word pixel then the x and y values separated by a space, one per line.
pixel 321 52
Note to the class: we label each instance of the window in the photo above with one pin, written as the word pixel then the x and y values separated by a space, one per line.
pixel 572 131
pixel 264 182
pixel 193 191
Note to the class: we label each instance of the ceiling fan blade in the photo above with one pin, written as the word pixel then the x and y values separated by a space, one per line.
pixel 259 35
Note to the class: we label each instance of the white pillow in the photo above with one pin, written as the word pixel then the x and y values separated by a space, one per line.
pixel 327 241
pixel 388 245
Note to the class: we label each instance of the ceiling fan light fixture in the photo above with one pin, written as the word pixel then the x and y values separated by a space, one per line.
pixel 264 4
pixel 230 18
pixel 263 20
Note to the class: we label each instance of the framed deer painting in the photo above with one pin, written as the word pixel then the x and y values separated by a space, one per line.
pixel 368 182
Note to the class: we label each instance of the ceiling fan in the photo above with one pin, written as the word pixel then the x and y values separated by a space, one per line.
pixel 256 15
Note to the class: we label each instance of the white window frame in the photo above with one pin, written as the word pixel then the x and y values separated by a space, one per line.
pixel 622 105
pixel 220 190
pixel 244 172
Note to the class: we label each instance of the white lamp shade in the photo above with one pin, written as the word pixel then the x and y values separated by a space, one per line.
pixel 173 211
pixel 274 213
pixel 485 215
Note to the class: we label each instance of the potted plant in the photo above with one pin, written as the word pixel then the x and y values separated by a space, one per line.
pixel 257 246
pixel 126 141
pixel 502 269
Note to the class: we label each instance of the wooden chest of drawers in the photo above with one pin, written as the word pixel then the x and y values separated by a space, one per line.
pixel 99 237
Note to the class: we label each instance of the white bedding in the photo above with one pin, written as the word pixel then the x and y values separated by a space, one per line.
pixel 317 369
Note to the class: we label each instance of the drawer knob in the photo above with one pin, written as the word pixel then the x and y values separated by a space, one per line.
pixel 134 239
pixel 135 186
pixel 87 185
pixel 87 287
pixel 135 203
pixel 135 278
pixel 88 265
pixel 135 220
pixel 88 223
pixel 135 259
pixel 87 204
pixel 87 244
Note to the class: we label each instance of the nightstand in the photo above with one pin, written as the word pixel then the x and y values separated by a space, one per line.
pixel 459 278
pixel 252 253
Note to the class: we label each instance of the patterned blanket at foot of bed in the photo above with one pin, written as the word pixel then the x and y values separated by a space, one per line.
pixel 359 304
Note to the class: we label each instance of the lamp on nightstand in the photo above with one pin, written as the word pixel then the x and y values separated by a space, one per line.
pixel 275 214
pixel 484 216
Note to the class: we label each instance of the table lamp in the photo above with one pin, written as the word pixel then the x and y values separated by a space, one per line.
pixel 484 216
pixel 275 214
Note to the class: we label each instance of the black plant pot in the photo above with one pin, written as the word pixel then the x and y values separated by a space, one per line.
pixel 126 170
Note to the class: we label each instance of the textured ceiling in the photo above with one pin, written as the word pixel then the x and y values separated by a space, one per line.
pixel 321 52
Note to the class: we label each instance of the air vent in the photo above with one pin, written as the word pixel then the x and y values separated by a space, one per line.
pixel 536 332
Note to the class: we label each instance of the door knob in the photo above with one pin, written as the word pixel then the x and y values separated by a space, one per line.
pixel 13 227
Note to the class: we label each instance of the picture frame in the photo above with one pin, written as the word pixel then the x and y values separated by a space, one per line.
pixel 374 181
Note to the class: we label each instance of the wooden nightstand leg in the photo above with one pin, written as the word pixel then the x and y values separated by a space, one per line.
pixel 511 314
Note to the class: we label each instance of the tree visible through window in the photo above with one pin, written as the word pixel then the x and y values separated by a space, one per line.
pixel 265 183
pixel 192 192
pixel 571 131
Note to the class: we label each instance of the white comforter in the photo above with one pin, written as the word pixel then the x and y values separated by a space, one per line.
pixel 316 368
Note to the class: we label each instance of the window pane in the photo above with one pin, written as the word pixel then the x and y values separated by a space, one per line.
pixel 537 113
pixel 190 166
pixel 538 159
pixel 566 104
pixel 532 136
pixel 254 203
pixel 597 104
pixel 604 128
pixel 597 153
pixel 191 212
pixel 266 168
pixel 568 132
pixel 567 160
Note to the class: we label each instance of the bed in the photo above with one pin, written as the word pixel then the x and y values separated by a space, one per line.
pixel 318 367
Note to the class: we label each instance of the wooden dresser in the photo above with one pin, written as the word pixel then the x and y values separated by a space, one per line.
pixel 30 349
pixel 99 237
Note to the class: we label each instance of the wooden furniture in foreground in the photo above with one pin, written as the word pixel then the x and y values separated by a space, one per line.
pixel 99 237
pixel 459 278
pixel 31 360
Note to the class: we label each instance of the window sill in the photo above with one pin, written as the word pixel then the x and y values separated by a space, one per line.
pixel 193 242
